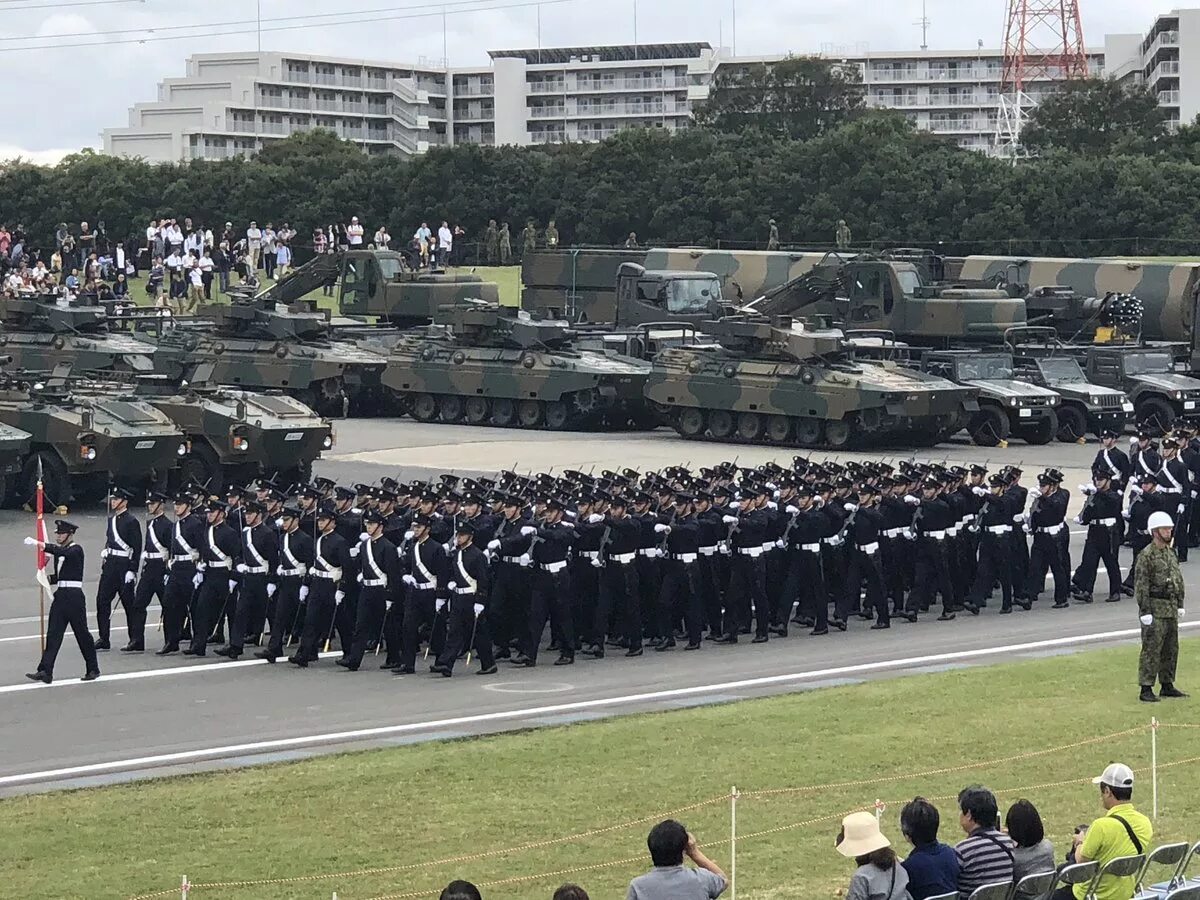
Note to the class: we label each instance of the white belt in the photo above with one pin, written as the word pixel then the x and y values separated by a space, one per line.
pixel 999 529
pixel 1105 522
pixel 1052 529
pixel 1163 490
pixel 257 570
pixel 293 572
pixel 423 586
pixel 334 575
pixel 869 548
pixel 124 554
pixel 685 557
pixel 588 554
pixel 652 552
pixel 893 532
pixel 622 558
pixel 811 548
pixel 219 564
pixel 936 535
pixel 708 551
pixel 162 556
pixel 952 531
pixel 70 584
pixel 831 541
pixel 515 560
pixel 464 590
pixel 375 582
pixel 752 552
pixel 553 567
pixel 183 559
pixel 769 545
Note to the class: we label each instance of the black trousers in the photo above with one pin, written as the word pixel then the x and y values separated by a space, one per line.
pixel 508 606
pixel 368 622
pixel 112 585
pixel 710 590
pixel 550 598
pixel 814 598
pixel 866 568
pixel 1019 558
pixel 1138 542
pixel 585 596
pixel 405 629
pixel 251 610
pixel 153 583
pixel 649 579
pixel 461 623
pixel 931 573
pixel 1100 546
pixel 995 553
pixel 893 550
pixel 318 617
pixel 287 621
pixel 1046 553
pixel 211 605
pixel 620 593
pixel 176 599
pixel 748 589
pixel 68 608
pixel 680 598
pixel 345 618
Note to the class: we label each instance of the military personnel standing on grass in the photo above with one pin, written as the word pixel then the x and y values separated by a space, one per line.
pixel 773 236
pixel 1158 590
pixel 843 235
pixel 505 245
pixel 491 242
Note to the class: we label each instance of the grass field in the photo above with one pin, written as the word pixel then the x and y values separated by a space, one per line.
pixel 411 807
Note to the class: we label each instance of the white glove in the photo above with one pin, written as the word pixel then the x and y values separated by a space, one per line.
pixel 104 553
pixel 130 578
pixel 662 528
pixel 232 585
pixel 478 610
pixel 409 580
pixel 1147 620
pixel 33 542
pixel 595 519
pixel 271 589
pixel 979 491
pixel 771 504
pixel 364 537
pixel 200 567
pixel 837 541
pixel 729 520
pixel 736 504
pixel 312 570
pixel 780 543
pixel 1087 489
pixel 1125 515
pixel 723 547
pixel 279 522
pixel 493 545
pixel 438 605
pixel 1079 519
pixel 1133 442
pixel 452 585
pixel 849 507
pixel 339 596
pixel 303 591
pixel 911 500
pixel 354 551
pixel 196 579
pixel 524 560
pixel 166 580
pixel 792 510
pixel 359 578
pixel 597 564
pixel 1179 509
pixel 1179 611
pixel 772 485
pixel 408 535
pixel 527 530
pixel 242 567
pixel 448 547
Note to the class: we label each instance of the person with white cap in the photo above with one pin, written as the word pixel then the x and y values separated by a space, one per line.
pixel 1158 592
pixel 879 875
pixel 1121 831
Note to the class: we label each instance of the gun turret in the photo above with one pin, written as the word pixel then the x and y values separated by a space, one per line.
pixel 257 318
pixel 778 337
pixel 43 314
pixel 489 324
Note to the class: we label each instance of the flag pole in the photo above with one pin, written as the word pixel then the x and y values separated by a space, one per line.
pixel 41 556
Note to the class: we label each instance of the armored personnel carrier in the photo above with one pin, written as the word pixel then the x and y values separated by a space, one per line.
pixel 14 448
pixel 39 335
pixel 483 364
pixel 86 437
pixel 262 346
pixel 785 381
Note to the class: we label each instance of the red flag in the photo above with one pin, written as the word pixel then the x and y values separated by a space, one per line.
pixel 40 528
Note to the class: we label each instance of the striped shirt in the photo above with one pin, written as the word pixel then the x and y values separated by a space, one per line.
pixel 984 856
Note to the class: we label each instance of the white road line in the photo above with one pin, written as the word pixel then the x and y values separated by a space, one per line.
pixel 150 626
pixel 527 712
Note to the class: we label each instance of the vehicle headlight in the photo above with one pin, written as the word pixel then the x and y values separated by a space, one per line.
pixel 1054 401
pixel 1012 402
pixel 240 443
pixel 86 451
pixel 1095 401
pixel 328 442
pixel 181 450
pixel 1179 395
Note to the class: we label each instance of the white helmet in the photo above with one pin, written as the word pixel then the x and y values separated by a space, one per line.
pixel 1159 520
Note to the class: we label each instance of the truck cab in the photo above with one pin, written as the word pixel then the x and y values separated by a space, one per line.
pixel 381 283
pixel 645 296
pixel 1147 374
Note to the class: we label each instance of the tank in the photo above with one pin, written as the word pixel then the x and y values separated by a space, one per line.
pixel 38 335
pixel 14 448
pixel 260 346
pixel 483 364
pixel 794 382
pixel 86 437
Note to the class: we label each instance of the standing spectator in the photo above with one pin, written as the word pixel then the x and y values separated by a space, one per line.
pixel 985 854
pixel 320 242
pixel 491 242
pixel 552 235
pixel 505 245
pixel 174 266
pixel 56 264
pixel 669 879
pixel 269 247
pixel 432 251
pixel 67 249
pixel 253 243
pixel 932 866
pixel 1158 592
pixel 283 259
pixel 174 237
pixel 154 280
pixel 423 233
pixel 445 244
pixel 631 242
pixel 528 238
pixel 61 233
pixel 5 240
pixel 159 247
pixel 1033 854
pixel 383 240
pixel 223 260
pixel 773 236
pixel 195 285
pixel 460 890
pixel 207 267
pixel 571 892
pixel 879 875
pixel 193 243
pixel 459 246
pixel 354 234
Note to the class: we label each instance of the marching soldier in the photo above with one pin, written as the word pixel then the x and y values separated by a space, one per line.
pixel 1101 512
pixel 295 558
pixel 121 559
pixel 995 547
pixel 187 535
pixel 330 554
pixel 1174 484
pixel 550 595
pixel 1144 502
pixel 1047 524
pixel 467 585
pixel 156 560
pixel 219 553
pixel 69 606
pixel 681 591
pixel 932 572
pixel 1143 455
pixel 748 586
pixel 896 518
pixel 424 563
pixel 509 602
pixel 1113 460
pixel 619 588
pixel 1017 494
pixel 257 571
pixel 865 562
pixel 1158 590
pixel 380 578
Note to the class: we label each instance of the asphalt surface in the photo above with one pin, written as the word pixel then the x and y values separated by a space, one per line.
pixel 150 715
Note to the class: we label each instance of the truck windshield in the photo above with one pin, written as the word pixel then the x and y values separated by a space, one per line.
pixel 984 367
pixel 1060 370
pixel 692 295
pixel 391 266
pixel 1147 363
pixel 909 282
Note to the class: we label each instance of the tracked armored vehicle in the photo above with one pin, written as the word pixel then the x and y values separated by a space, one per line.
pixel 39 335
pixel 485 365
pixel 793 382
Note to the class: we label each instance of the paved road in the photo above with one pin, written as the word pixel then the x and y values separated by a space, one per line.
pixel 154 715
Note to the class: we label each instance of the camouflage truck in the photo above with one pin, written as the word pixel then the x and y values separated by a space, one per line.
pixel 1147 374
pixel 262 347
pixel 86 437
pixel 38 335
pixel 14 448
pixel 482 364
pixel 1007 406
pixel 779 381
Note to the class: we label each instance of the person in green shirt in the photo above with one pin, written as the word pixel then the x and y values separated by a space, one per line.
pixel 1121 831
pixel 1158 591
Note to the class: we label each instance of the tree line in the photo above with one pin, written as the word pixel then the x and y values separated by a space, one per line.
pixel 1130 187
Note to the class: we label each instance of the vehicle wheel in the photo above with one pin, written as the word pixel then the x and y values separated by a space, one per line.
pixel 838 433
pixel 808 431
pixel 476 410
pixel 530 414
pixel 989 426
pixel 558 415
pixel 779 429
pixel 690 422
pixel 1072 424
pixel 504 412
pixel 56 483
pixel 1043 432
pixel 301 474
pixel 202 467
pixel 749 426
pixel 424 407
pixel 450 408
pixel 586 402
pixel 721 424
pixel 1157 414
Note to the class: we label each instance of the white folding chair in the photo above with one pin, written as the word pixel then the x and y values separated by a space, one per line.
pixel 1173 855
pixel 953 895
pixel 997 890
pixel 1033 887
pixel 1189 892
pixel 1120 867
pixel 1078 873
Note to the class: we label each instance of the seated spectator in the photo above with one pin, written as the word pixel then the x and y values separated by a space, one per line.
pixel 1033 853
pixel 460 890
pixel 879 875
pixel 571 892
pixel 669 879
pixel 932 866
pixel 985 855
pixel 1121 831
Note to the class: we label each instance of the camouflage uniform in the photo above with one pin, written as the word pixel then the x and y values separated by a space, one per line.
pixel 528 239
pixel 843 235
pixel 1158 590
pixel 773 237
pixel 551 235
pixel 491 242
pixel 505 246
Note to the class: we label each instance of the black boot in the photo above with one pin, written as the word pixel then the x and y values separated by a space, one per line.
pixel 1147 695
pixel 1169 690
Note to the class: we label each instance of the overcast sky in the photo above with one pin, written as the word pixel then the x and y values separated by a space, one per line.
pixel 58 100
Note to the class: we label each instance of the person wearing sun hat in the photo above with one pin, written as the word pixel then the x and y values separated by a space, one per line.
pixel 879 875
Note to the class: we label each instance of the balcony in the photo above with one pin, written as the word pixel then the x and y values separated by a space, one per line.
pixel 629 109
pixel 547 112
pixel 271 128
pixel 474 115
pixel 377 83
pixel 298 103
pixel 301 77
pixel 547 87
pixel 547 137
pixel 352 106
pixel 1167 69
pixel 891 101
pixel 473 90
pixel 1168 98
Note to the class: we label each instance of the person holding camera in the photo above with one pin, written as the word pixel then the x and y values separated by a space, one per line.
pixel 669 842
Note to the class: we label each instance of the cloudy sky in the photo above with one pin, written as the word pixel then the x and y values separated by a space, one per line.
pixel 84 62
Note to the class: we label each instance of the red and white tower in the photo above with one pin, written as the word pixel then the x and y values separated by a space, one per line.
pixel 1043 40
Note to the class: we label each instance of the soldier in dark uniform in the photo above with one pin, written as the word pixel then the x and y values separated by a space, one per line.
pixel 1174 484
pixel 932 572
pixel 508 607
pixel 681 593
pixel 647 562
pixel 1143 454
pixel 995 548
pixel 156 558
pixel 550 594
pixel 68 607
pixel 121 559
pixel 219 553
pixel 467 578
pixel 865 563
pixel 1144 502
pixel 1113 460
pixel 295 558
pixel 585 564
pixel 833 560
pixel 1101 512
pixel 187 536
pixel 257 573
pixel 804 543
pixel 330 554
pixel 379 575
pixel 896 517
pixel 1047 516
pixel 350 527
pixel 1016 494
pixel 1190 454
pixel 423 561
pixel 619 589
pixel 747 580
